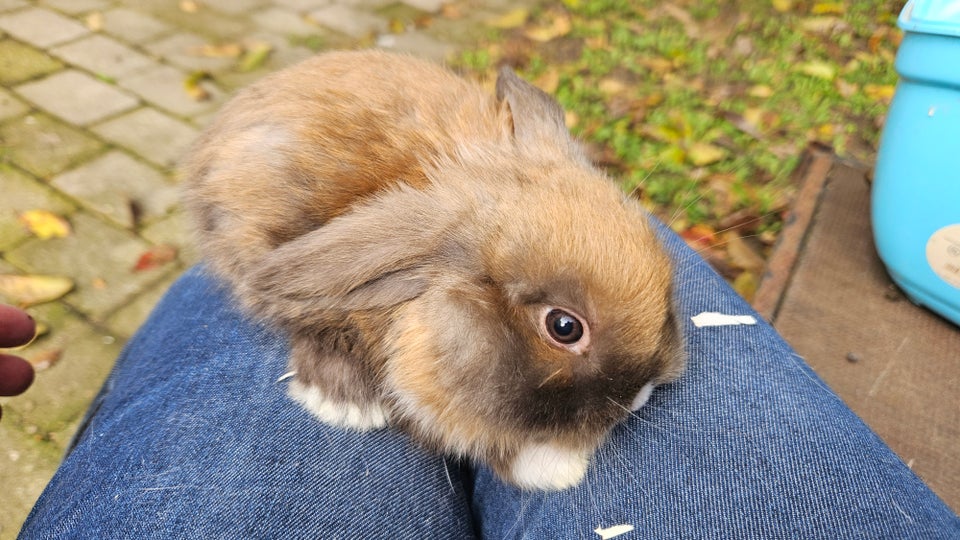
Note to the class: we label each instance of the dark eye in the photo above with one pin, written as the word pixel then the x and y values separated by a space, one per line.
pixel 563 327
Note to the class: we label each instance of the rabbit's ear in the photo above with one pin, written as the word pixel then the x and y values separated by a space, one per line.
pixel 537 118
pixel 376 256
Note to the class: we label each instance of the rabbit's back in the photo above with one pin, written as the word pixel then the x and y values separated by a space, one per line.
pixel 304 145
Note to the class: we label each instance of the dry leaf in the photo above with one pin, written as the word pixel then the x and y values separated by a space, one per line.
pixel 193 87
pixel 511 19
pixel 746 285
pixel 782 6
pixel 44 224
pixel 29 290
pixel 257 53
pixel 816 68
pixel 701 153
pixel 94 21
pixel 742 255
pixel 761 91
pixel 155 257
pixel 45 359
pixel 221 50
pixel 188 6
pixel 879 92
pixel 832 8
pixel 559 26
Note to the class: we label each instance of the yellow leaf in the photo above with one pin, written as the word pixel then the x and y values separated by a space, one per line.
pixel 255 56
pixel 761 91
pixel 30 290
pixel 701 154
pixel 188 6
pixel 560 26
pixel 221 50
pixel 782 6
pixel 746 285
pixel 833 8
pixel 880 92
pixel 611 86
pixel 511 19
pixel 44 224
pixel 821 70
pixel 193 87
pixel 94 21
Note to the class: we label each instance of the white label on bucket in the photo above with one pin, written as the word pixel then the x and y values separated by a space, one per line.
pixel 943 254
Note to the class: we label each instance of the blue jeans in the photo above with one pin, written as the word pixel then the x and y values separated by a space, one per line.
pixel 193 436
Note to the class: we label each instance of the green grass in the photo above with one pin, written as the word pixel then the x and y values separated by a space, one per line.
pixel 703 108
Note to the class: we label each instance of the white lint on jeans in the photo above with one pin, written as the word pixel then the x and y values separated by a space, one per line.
pixel 712 318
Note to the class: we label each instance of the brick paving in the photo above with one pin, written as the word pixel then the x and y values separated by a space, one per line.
pixel 95 111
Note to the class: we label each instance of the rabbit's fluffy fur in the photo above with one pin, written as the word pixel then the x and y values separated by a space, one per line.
pixel 412 234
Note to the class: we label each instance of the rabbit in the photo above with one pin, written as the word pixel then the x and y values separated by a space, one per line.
pixel 442 260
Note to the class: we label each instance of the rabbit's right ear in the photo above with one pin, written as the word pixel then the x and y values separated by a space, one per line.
pixel 538 120
pixel 378 255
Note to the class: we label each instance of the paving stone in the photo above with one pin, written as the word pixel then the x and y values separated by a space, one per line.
pixel 163 86
pixel 233 7
pixel 133 26
pixel 125 322
pixel 103 55
pixel 430 6
pixel 10 106
pixel 418 44
pixel 22 193
pixel 302 5
pixel 182 50
pixel 19 62
pixel 76 7
pixel 26 465
pixel 346 20
pixel 151 134
pixel 45 146
pixel 121 188
pixel 215 25
pixel 41 27
pixel 283 21
pixel 77 97
pixel 177 231
pixel 9 5
pixel 99 258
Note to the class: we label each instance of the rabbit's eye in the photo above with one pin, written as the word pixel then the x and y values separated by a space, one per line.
pixel 563 327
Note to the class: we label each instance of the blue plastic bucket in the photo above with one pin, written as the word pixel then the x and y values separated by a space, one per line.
pixel 916 190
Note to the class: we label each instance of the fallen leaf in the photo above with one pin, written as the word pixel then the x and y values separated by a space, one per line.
pixel 699 236
pixel 257 53
pixel 35 289
pixel 879 92
pixel 832 8
pixel 701 153
pixel 742 255
pixel 761 91
pixel 194 89
pixel 45 359
pixel 188 6
pixel 782 6
pixel 823 24
pixel 155 257
pixel 94 21
pixel 44 224
pixel 816 68
pixel 217 50
pixel 846 89
pixel 746 285
pixel 559 26
pixel 511 19
pixel 611 86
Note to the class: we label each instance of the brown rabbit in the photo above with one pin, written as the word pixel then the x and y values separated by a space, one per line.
pixel 442 260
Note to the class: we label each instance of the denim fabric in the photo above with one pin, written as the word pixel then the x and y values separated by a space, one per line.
pixel 194 437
